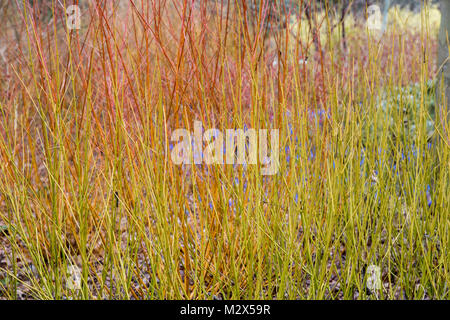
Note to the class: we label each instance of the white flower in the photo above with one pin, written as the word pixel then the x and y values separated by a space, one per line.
pixel 374 177
pixel 275 63
pixel 73 281
pixel 373 274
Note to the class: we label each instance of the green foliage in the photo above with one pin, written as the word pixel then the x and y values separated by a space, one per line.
pixel 401 111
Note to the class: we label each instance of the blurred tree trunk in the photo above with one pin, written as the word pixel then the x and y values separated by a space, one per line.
pixel 387 4
pixel 443 56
